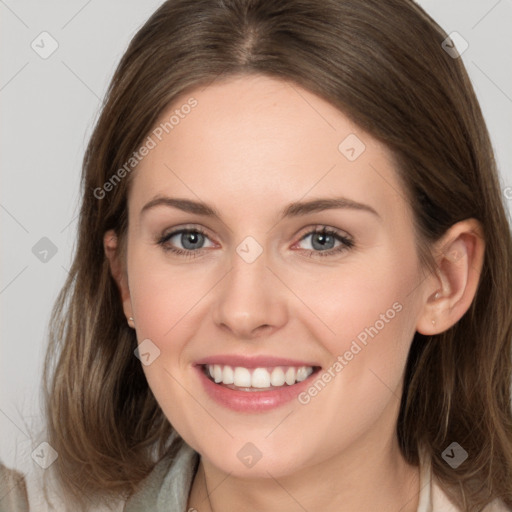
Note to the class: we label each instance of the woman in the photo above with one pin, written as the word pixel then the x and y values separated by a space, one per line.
pixel 291 285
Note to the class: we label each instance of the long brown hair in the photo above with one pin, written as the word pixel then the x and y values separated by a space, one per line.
pixel 382 64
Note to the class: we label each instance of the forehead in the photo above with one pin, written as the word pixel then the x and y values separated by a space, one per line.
pixel 265 141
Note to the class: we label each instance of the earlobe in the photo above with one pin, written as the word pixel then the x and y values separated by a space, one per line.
pixel 111 248
pixel 451 291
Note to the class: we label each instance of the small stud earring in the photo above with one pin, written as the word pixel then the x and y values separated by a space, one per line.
pixel 436 296
pixel 433 322
pixel 131 322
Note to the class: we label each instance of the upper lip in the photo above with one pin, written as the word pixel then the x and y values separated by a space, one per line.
pixel 260 361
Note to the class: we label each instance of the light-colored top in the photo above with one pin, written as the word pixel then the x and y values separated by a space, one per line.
pixel 13 491
pixel 167 488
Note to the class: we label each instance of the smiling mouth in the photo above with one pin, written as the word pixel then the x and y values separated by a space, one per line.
pixel 240 378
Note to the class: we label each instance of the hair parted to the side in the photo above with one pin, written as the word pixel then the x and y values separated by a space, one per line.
pixel 381 63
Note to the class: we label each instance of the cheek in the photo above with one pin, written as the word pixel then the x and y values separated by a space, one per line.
pixel 361 386
pixel 161 303
pixel 367 322
pixel 165 303
pixel 163 295
pixel 362 299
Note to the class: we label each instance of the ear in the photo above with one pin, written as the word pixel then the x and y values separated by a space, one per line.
pixel 448 295
pixel 118 271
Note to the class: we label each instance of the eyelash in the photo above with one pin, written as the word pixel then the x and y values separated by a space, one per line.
pixel 346 243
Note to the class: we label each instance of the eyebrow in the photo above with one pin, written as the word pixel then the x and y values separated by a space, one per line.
pixel 295 209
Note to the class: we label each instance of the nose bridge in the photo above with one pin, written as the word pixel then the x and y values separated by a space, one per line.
pixel 246 299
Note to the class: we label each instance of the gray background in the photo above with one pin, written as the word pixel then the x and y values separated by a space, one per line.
pixel 49 107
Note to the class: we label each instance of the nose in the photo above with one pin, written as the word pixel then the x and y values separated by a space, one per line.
pixel 250 301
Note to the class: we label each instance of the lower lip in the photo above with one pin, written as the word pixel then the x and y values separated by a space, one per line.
pixel 252 401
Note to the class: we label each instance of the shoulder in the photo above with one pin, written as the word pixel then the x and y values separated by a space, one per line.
pixel 13 490
pixel 167 487
pixel 433 497
pixel 441 503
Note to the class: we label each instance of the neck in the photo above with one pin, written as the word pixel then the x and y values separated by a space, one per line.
pixel 360 478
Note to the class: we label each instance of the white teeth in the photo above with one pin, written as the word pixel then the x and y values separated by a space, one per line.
pixel 242 377
pixel 227 375
pixel 258 377
pixel 303 373
pixel 277 377
pixel 290 375
pixel 217 373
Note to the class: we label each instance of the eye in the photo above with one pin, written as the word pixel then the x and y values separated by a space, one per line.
pixel 191 241
pixel 323 242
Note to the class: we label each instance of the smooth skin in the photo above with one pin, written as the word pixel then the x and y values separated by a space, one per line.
pixel 250 147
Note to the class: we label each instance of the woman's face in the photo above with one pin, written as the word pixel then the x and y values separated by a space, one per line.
pixel 252 168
